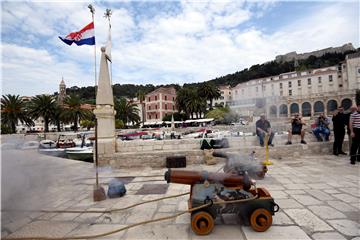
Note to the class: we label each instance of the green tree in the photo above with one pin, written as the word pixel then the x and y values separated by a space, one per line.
pixel 141 97
pixel 218 114
pixel 87 123
pixel 73 111
pixel 209 91
pixel 126 111
pixel 43 106
pixel 13 110
pixel 119 124
pixel 189 101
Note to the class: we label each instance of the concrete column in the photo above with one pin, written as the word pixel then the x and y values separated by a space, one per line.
pixel 105 113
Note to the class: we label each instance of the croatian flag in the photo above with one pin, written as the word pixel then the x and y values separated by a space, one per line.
pixel 84 36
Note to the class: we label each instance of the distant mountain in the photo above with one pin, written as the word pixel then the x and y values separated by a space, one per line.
pixel 283 63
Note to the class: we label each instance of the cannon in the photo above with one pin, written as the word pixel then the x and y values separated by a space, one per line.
pixel 239 164
pixel 219 193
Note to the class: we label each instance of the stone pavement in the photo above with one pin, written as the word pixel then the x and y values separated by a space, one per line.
pixel 319 198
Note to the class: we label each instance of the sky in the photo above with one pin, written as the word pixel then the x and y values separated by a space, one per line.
pixel 162 42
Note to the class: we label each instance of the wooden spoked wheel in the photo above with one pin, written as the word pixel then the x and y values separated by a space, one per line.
pixel 202 223
pixel 260 220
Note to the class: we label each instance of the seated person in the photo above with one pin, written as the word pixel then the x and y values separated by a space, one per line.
pixel 296 129
pixel 263 128
pixel 322 127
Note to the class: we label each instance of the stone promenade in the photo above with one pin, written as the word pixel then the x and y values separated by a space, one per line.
pixel 319 197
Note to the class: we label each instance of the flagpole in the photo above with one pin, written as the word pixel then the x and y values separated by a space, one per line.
pixel 92 10
pixel 107 15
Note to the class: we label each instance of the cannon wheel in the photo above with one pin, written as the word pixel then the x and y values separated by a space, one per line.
pixel 260 220
pixel 202 223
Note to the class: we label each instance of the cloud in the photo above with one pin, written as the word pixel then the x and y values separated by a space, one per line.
pixel 177 42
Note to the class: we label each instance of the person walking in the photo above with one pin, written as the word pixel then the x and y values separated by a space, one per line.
pixel 347 120
pixel 263 128
pixel 339 123
pixel 354 125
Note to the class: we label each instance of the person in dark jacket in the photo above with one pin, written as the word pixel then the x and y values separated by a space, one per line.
pixel 263 128
pixel 339 123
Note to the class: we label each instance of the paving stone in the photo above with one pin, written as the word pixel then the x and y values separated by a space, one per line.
pixel 167 208
pixel 328 236
pixel 331 191
pixel 288 203
pixel 341 206
pixel 306 200
pixel 279 194
pixel 295 192
pixel 281 218
pixel 346 198
pixel 346 227
pixel 356 238
pixel 143 213
pixel 319 194
pixel 12 226
pixel 221 231
pixel 183 219
pixel 159 231
pixel 45 229
pixel 326 212
pixel 296 186
pixel 94 229
pixel 276 233
pixel 319 186
pixel 307 220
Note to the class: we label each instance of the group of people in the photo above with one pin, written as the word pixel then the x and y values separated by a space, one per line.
pixel 321 130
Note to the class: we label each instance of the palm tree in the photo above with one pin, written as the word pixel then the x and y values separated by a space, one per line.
pixel 141 97
pixel 209 91
pixel 73 111
pixel 43 106
pixel 189 101
pixel 126 111
pixel 13 110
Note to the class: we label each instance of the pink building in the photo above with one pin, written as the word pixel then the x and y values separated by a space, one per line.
pixel 159 103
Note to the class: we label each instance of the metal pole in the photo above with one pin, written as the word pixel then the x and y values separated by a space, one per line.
pixel 92 10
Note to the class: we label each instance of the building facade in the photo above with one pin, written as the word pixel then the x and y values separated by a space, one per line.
pixel 307 92
pixel 225 97
pixel 159 103
pixel 62 92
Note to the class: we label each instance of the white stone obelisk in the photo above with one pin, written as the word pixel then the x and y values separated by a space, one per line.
pixel 105 113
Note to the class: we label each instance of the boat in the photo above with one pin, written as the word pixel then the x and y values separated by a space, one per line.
pixel 83 154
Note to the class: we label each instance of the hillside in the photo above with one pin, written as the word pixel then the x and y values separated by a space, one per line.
pixel 256 71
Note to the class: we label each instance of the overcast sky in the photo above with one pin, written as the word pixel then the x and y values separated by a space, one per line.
pixel 163 42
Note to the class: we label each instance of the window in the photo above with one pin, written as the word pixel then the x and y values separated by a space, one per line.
pixel 155 98
pixel 290 92
pixel 229 93
pixel 155 106
pixel 149 99
pixel 173 107
pixel 149 107
pixel 280 77
pixel 289 84
pixel 173 98
pixel 340 85
pixel 155 116
pixel 319 80
pixel 149 116
pixel 299 83
pixel 309 81
pixel 281 93
pixel 271 78
pixel 165 106
pixel 330 78
pixel 280 85
pixel 165 97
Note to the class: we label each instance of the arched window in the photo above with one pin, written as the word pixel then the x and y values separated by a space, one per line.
pixel 346 103
pixel 306 109
pixel 273 111
pixel 283 110
pixel 331 106
pixel 319 107
pixel 294 108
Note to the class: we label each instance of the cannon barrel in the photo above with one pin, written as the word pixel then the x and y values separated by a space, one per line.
pixel 193 177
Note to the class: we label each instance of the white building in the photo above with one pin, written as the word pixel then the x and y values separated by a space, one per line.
pixel 307 92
